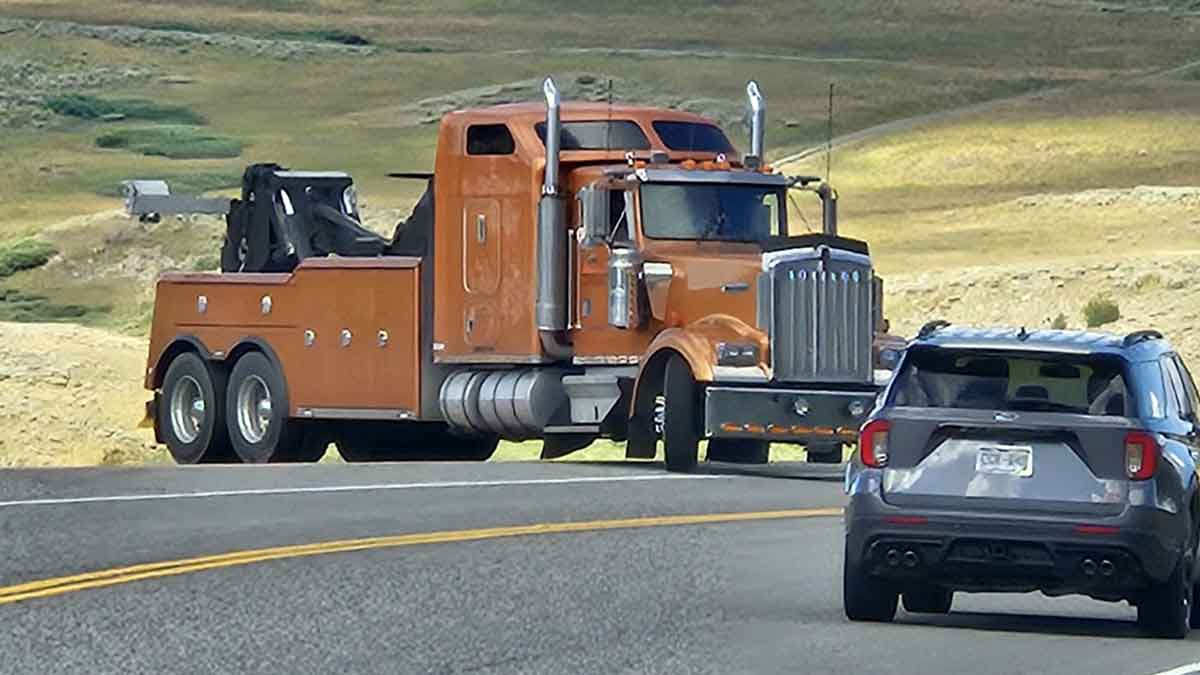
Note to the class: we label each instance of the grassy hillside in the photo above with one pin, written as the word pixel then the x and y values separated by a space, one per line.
pixel 1079 183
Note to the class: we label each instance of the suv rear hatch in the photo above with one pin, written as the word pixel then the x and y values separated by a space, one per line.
pixel 1008 431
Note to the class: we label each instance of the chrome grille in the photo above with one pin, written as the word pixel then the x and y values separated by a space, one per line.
pixel 818 306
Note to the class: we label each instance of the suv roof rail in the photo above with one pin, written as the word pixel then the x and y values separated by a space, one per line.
pixel 929 328
pixel 1141 336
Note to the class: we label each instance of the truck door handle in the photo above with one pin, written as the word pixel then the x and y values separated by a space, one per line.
pixel 481 228
pixel 735 287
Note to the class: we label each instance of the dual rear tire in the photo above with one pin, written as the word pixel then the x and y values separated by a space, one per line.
pixel 206 416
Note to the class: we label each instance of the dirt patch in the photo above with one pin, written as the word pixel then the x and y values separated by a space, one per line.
pixel 70 396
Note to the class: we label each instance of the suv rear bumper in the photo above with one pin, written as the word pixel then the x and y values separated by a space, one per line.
pixel 969 551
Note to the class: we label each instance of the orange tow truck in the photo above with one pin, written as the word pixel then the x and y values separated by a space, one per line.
pixel 573 272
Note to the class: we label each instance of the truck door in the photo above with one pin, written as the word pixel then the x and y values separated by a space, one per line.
pixel 490 179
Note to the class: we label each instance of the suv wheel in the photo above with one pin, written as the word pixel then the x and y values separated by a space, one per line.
pixel 865 598
pixel 928 600
pixel 1166 609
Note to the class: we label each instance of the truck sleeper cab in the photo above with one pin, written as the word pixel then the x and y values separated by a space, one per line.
pixel 588 271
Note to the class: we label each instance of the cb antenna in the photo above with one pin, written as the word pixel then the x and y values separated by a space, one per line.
pixel 608 124
pixel 829 137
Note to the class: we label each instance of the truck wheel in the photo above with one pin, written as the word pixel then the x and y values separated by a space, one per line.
pixel 191 412
pixel 928 600
pixel 681 432
pixel 824 453
pixel 865 598
pixel 739 450
pixel 1165 610
pixel 257 405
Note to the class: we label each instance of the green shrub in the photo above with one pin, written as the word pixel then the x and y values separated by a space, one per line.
pixel 30 308
pixel 207 263
pixel 1059 322
pixel 94 108
pixel 172 142
pixel 1099 311
pixel 25 254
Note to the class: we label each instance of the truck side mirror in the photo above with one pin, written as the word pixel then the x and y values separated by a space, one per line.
pixel 594 215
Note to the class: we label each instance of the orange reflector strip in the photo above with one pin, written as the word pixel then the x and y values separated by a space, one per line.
pixel 729 426
pixel 801 429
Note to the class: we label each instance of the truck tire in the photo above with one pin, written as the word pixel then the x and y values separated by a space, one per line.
pixel 928 600
pixel 257 408
pixel 681 427
pixel 1165 610
pixel 191 412
pixel 825 453
pixel 865 598
pixel 739 450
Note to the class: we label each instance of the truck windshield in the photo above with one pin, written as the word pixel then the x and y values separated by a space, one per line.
pixel 711 211
pixel 961 378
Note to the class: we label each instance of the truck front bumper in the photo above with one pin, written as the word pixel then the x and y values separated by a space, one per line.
pixel 786 415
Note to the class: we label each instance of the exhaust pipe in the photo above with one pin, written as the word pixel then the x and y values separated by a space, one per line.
pixel 1088 566
pixel 893 557
pixel 911 559
pixel 829 215
pixel 758 119
pixel 1107 568
pixel 550 310
pixel 553 136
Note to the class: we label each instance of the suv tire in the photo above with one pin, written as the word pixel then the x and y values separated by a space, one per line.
pixel 1165 610
pixel 865 598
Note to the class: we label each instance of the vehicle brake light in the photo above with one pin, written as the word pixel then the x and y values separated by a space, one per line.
pixel 1141 455
pixel 873 443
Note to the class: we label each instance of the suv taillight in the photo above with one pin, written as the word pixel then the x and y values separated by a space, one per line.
pixel 873 443
pixel 1141 455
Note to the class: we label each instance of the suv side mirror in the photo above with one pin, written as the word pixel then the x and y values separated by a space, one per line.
pixel 594 215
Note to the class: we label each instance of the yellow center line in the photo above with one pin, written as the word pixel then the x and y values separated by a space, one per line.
pixel 44 588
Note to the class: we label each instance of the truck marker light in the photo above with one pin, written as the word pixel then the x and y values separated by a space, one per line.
pixel 873 443
pixel 1141 455
pixel 731 427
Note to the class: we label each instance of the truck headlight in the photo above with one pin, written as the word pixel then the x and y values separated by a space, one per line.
pixel 888 358
pixel 737 354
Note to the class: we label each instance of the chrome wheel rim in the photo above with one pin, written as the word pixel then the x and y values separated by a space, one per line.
pixel 187 409
pixel 253 409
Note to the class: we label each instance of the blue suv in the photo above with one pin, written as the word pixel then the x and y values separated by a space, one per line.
pixel 1004 460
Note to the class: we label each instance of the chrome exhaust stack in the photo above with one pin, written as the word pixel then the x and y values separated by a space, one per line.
pixel 550 311
pixel 758 120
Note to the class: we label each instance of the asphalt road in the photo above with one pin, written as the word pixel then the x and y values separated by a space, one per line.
pixel 732 597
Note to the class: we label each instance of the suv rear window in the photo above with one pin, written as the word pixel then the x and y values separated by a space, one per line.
pixel 954 378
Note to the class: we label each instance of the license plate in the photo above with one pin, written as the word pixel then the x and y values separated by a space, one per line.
pixel 1005 460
